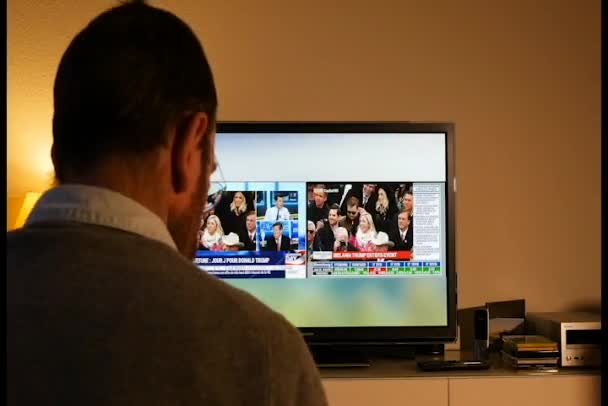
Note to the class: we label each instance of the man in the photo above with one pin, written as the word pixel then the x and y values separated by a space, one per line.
pixel 249 236
pixel 366 194
pixel 104 304
pixel 351 220
pixel 326 234
pixel 381 242
pixel 403 236
pixel 231 242
pixel 368 190
pixel 311 233
pixel 408 203
pixel 342 244
pixel 278 212
pixel 369 198
pixel 317 207
pixel 277 241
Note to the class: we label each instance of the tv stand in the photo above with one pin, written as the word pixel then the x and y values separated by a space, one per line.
pixel 395 382
pixel 336 356
pixel 404 351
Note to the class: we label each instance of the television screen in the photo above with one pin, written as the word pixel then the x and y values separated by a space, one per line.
pixel 344 228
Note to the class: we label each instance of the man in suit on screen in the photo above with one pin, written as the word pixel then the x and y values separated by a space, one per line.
pixel 248 236
pixel 278 241
pixel 403 236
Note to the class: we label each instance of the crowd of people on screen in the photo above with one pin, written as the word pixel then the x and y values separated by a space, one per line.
pixel 365 217
pixel 372 217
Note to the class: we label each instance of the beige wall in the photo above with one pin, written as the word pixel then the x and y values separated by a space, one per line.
pixel 520 79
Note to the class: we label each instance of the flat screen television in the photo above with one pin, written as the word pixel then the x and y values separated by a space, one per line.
pixel 347 229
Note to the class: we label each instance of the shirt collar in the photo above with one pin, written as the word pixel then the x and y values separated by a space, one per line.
pixel 99 206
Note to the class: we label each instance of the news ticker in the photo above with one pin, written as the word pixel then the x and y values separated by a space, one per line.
pixel 361 256
pixel 252 271
pixel 290 265
pixel 376 268
pixel 244 272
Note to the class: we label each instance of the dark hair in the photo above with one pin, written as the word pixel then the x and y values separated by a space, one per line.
pixel 132 73
pixel 250 212
pixel 335 206
pixel 279 224
pixel 353 201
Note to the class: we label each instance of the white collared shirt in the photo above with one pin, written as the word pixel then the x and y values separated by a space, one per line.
pixel 99 206
pixel 274 214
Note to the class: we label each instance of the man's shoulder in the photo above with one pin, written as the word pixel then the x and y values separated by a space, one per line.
pixel 172 281
pixel 187 317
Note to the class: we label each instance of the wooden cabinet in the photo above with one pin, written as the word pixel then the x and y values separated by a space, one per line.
pixel 396 383
pixel 523 391
pixel 387 392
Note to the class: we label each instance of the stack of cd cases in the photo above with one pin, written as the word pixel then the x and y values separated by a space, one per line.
pixel 530 351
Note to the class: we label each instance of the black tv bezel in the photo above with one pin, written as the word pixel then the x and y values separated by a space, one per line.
pixel 380 335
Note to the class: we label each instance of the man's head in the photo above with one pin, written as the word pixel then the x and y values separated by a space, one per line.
pixel 342 234
pixel 352 208
pixel 408 201
pixel 311 231
pixel 250 221
pixel 368 189
pixel 134 111
pixel 381 242
pixel 334 215
pixel 280 202
pixel 403 220
pixel 319 195
pixel 277 230
pixel 231 242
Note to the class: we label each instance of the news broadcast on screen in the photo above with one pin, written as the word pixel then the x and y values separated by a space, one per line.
pixel 331 229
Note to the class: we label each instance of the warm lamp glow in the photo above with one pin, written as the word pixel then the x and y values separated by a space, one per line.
pixel 28 204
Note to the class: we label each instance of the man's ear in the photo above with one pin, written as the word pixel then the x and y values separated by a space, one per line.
pixel 186 151
pixel 54 154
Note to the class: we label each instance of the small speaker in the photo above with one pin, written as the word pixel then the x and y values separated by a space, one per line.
pixel 482 333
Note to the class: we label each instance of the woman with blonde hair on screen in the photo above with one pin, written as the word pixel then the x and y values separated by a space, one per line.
pixel 212 236
pixel 386 208
pixel 234 219
pixel 239 203
pixel 366 232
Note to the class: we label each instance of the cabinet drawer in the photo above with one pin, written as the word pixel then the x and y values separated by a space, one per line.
pixel 529 390
pixel 387 392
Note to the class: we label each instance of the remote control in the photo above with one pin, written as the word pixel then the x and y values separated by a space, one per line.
pixel 451 365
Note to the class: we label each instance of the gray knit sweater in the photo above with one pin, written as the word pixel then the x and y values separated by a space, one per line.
pixel 98 316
